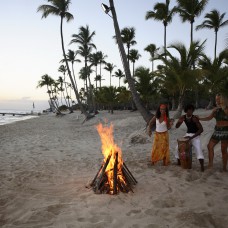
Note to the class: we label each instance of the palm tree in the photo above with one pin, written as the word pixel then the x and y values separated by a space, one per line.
pixel 98 78
pixel 63 70
pixel 60 8
pixel 48 81
pixel 133 56
pixel 119 74
pixel 71 57
pixel 128 36
pixel 214 74
pixel 123 97
pixel 61 89
pixel 162 13
pixel 152 49
pixel 145 114
pixel 214 20
pixel 102 58
pixel 94 60
pixel 180 68
pixel 110 67
pixel 189 10
pixel 144 85
pixel 84 39
pixel 107 96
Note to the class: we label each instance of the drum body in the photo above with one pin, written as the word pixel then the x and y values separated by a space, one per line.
pixel 185 153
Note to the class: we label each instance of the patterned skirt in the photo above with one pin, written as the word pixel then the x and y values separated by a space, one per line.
pixel 160 148
pixel 220 133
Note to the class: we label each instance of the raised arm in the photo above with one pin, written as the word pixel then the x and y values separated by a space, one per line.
pixel 180 121
pixel 207 118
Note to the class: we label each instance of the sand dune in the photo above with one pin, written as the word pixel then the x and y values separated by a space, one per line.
pixel 46 162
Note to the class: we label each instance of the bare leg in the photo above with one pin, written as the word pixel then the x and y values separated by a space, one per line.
pixel 210 147
pixel 224 145
pixel 201 164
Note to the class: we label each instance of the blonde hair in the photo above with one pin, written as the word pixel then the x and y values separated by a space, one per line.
pixel 224 101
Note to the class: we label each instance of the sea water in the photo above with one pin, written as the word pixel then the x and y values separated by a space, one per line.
pixel 8 118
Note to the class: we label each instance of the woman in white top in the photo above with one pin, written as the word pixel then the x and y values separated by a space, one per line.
pixel 160 148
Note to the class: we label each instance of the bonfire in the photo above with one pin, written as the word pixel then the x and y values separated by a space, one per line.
pixel 113 175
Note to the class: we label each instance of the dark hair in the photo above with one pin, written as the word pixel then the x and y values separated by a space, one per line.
pixel 158 112
pixel 189 107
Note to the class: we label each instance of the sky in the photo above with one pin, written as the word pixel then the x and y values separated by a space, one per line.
pixel 31 47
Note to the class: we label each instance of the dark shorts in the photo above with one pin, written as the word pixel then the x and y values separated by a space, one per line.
pixel 220 133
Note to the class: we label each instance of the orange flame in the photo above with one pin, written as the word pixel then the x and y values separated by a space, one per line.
pixel 110 148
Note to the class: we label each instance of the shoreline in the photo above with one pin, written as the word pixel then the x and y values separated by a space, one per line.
pixel 46 162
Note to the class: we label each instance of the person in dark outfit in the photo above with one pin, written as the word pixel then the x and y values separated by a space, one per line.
pixel 194 129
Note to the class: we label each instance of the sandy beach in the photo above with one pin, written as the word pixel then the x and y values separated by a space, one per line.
pixel 46 163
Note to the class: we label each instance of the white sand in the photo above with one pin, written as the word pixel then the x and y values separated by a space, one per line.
pixel 46 162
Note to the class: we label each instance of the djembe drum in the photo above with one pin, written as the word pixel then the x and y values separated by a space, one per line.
pixel 185 153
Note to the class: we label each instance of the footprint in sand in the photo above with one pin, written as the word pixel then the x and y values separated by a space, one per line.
pixel 133 212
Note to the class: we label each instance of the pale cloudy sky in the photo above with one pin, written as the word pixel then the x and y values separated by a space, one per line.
pixel 31 47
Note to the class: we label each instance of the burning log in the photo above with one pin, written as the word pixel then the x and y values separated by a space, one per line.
pixel 113 175
pixel 132 177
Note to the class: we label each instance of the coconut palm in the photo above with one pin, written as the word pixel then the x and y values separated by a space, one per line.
pixel 128 36
pixel 71 57
pixel 48 81
pixel 84 38
pixel 144 85
pixel 94 59
pixel 110 67
pixel 119 74
pixel 153 50
pixel 133 56
pixel 180 68
pixel 107 96
pixel 213 20
pixel 98 78
pixel 63 70
pixel 163 13
pixel 102 58
pixel 60 8
pixel 145 114
pixel 214 74
pixel 61 89
pixel 189 10
pixel 123 97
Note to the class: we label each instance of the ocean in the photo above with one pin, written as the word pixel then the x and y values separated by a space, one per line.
pixel 20 106
pixel 8 118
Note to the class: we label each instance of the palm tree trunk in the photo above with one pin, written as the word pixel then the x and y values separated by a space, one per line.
pixel 165 39
pixel 110 79
pixel 216 34
pixel 173 103
pixel 191 32
pixel 96 77
pixel 69 73
pixel 145 114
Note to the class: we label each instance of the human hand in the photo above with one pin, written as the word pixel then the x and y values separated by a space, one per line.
pixel 171 122
pixel 188 138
